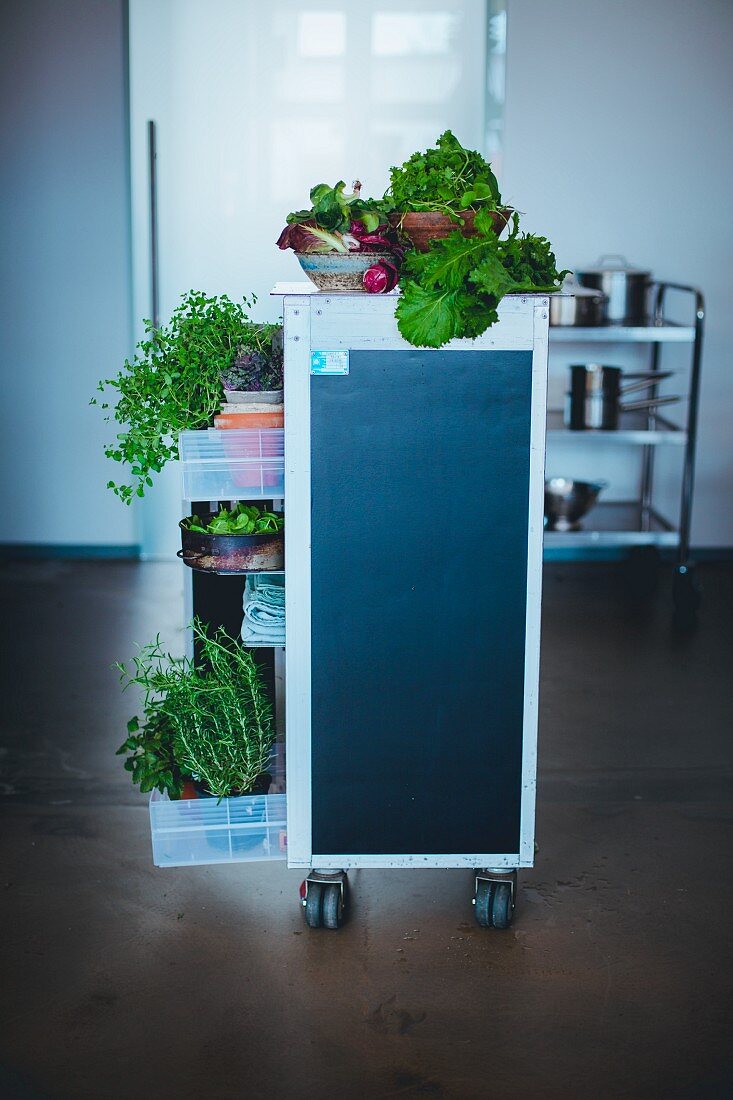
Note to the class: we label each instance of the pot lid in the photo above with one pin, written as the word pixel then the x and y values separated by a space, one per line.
pixel 614 262
pixel 571 287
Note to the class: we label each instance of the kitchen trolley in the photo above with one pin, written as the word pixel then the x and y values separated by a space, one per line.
pixel 414 514
pixel 406 692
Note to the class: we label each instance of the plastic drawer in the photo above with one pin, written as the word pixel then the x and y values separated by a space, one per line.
pixel 233 464
pixel 187 832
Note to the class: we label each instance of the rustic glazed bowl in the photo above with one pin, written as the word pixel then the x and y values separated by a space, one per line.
pixel 339 271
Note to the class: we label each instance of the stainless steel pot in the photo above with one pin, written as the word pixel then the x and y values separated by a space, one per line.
pixel 626 288
pixel 578 305
pixel 594 400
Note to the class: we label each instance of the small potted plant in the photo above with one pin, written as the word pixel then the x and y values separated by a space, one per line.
pixel 256 375
pixel 343 242
pixel 209 725
pixel 174 382
pixel 242 540
pixel 441 190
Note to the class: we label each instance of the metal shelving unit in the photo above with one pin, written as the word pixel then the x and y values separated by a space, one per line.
pixel 634 428
pixel 638 523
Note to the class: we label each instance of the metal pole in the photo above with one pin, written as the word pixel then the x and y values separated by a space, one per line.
pixel 152 155
pixel 647 466
pixel 688 476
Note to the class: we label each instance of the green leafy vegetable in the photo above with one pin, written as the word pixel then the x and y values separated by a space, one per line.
pixel 333 209
pixel 453 290
pixel 243 519
pixel 447 178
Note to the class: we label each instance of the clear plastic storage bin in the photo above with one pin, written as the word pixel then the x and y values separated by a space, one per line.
pixel 203 830
pixel 233 464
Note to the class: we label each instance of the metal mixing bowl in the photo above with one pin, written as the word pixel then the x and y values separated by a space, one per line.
pixel 568 500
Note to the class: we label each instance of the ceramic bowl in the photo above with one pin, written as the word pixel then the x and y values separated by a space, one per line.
pixel 339 271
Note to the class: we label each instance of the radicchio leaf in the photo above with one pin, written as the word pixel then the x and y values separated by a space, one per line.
pixel 307 237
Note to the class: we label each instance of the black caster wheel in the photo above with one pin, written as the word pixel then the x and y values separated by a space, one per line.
pixel 314 905
pixel 493 903
pixel 332 911
pixel 686 596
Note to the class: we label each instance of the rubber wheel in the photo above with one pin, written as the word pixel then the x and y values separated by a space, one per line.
pixel 333 906
pixel 493 904
pixel 483 904
pixel 501 907
pixel 314 905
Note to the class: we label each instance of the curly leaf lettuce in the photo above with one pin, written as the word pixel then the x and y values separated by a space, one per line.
pixel 453 290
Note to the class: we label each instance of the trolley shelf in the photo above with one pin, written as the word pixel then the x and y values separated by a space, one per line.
pixel 624 334
pixel 616 523
pixel 633 429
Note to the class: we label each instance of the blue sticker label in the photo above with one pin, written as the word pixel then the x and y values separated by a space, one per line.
pixel 329 362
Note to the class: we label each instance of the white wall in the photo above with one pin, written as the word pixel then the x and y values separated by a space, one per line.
pixel 617 139
pixel 64 266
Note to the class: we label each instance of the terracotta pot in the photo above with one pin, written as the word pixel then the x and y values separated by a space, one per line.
pixel 260 450
pixel 242 419
pixel 422 227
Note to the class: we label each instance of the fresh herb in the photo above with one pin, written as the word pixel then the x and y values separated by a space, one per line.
pixel 173 382
pixel 243 519
pixel 150 756
pixel 215 720
pixel 447 178
pixel 453 290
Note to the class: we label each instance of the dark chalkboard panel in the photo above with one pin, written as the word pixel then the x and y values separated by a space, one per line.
pixel 420 476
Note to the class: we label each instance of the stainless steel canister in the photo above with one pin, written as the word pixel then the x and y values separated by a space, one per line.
pixel 578 305
pixel 593 398
pixel 626 288
pixel 596 392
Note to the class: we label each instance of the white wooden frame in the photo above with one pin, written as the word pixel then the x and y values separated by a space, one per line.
pixel 332 322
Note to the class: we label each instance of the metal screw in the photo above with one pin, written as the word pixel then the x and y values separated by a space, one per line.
pixel 296 338
pixel 296 312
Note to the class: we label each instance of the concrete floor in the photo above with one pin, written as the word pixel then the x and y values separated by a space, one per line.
pixel 123 981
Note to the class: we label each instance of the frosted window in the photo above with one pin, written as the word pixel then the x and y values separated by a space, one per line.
pixel 399 34
pixel 321 34
pixel 255 102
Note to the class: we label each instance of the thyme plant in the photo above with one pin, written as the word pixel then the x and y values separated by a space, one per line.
pixel 173 382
